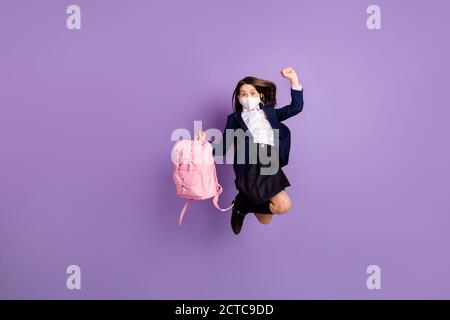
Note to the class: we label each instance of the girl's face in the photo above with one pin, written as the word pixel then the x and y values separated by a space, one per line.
pixel 247 90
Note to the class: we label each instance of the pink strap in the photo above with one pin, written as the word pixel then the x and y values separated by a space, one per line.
pixel 216 200
pixel 183 211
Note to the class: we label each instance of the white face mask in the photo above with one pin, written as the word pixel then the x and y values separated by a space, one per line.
pixel 250 103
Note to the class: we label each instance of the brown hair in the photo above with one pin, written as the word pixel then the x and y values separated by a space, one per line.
pixel 266 87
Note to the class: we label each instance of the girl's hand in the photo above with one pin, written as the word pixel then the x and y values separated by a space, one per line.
pixel 290 74
pixel 201 135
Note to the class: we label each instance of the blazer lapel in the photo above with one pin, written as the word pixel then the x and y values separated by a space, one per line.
pixel 238 117
pixel 269 111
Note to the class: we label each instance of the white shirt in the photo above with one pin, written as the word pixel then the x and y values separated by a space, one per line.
pixel 259 126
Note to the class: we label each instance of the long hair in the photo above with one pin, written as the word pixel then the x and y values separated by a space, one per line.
pixel 266 87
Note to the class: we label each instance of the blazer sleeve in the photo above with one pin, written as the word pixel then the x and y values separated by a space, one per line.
pixel 292 109
pixel 225 143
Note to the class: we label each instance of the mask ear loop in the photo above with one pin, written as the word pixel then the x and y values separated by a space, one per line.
pixel 261 97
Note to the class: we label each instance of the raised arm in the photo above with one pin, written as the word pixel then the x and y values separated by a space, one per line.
pixel 296 104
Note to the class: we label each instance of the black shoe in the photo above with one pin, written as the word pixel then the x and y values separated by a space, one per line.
pixel 238 214
pixel 237 220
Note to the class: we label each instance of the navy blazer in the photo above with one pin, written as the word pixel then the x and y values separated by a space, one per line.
pixel 275 116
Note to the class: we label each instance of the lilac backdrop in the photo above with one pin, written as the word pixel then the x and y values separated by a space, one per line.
pixel 85 123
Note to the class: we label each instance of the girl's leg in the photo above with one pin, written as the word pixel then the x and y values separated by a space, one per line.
pixel 280 203
pixel 263 218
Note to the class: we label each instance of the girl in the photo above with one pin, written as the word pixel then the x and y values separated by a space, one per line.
pixel 254 100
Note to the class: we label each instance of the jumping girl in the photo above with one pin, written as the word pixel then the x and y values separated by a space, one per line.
pixel 254 103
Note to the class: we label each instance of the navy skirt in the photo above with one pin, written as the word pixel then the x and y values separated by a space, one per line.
pixel 257 185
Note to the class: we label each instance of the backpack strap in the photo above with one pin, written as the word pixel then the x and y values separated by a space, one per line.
pixel 216 200
pixel 183 211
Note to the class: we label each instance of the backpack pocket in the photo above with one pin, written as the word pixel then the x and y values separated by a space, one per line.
pixel 189 184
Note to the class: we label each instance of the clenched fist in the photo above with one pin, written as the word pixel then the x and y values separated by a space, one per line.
pixel 290 74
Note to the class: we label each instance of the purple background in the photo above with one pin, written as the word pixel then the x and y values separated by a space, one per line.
pixel 85 123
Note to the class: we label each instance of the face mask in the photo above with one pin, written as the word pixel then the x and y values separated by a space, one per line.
pixel 250 103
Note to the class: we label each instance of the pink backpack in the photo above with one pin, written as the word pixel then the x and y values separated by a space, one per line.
pixel 194 173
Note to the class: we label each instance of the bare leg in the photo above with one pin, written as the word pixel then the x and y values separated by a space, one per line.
pixel 280 203
pixel 263 218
